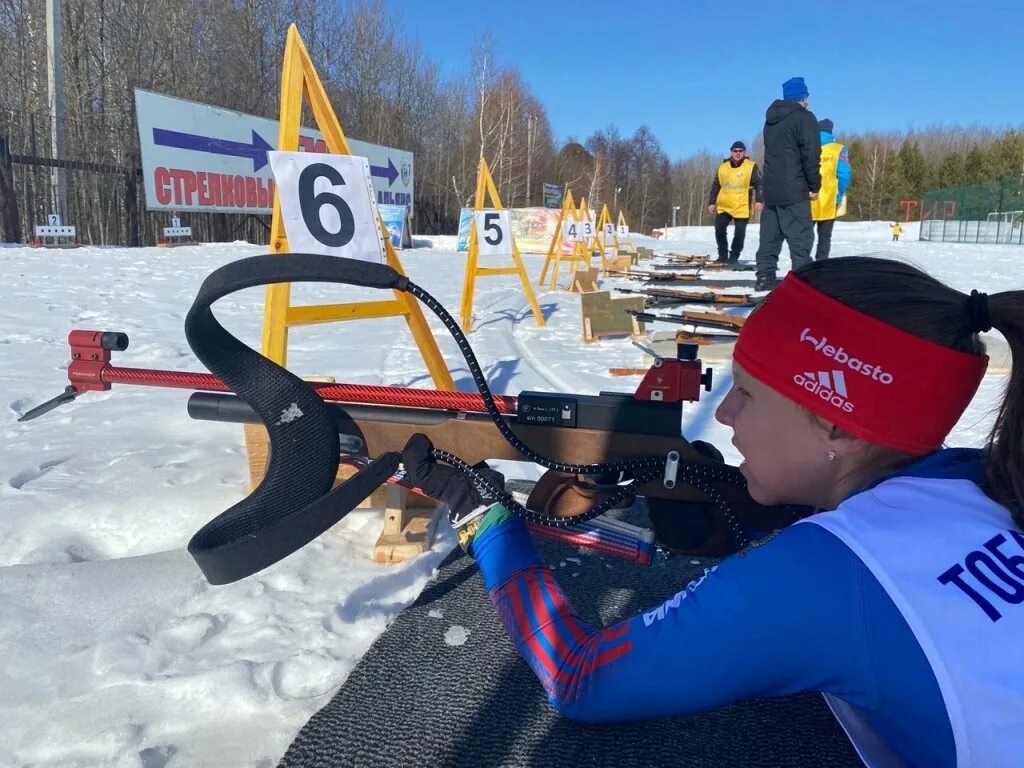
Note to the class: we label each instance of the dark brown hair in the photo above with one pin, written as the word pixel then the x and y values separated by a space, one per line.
pixel 905 297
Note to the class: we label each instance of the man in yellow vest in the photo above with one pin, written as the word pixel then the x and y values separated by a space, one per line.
pixel 897 230
pixel 835 180
pixel 730 200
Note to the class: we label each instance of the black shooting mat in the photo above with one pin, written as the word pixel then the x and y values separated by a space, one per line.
pixel 415 700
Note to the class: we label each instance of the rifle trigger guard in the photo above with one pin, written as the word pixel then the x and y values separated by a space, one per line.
pixel 671 469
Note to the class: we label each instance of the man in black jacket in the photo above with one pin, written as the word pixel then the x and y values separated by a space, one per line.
pixel 791 179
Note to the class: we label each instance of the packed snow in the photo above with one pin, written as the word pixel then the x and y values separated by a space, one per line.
pixel 114 651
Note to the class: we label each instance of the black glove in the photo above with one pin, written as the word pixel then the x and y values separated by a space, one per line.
pixel 452 486
pixel 707 449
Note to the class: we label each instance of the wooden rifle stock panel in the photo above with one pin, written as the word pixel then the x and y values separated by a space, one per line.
pixel 473 437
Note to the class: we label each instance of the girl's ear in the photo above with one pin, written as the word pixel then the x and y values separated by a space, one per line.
pixel 837 439
pixel 844 443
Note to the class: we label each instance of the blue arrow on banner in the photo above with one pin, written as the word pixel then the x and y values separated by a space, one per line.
pixel 390 173
pixel 256 149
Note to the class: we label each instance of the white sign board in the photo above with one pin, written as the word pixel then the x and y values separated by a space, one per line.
pixel 177 231
pixel 609 231
pixel 587 229
pixel 623 230
pixel 493 233
pixel 571 231
pixel 196 157
pixel 53 219
pixel 327 205
pixel 58 231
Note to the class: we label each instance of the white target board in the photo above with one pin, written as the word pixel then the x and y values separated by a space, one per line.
pixel 493 232
pixel 327 205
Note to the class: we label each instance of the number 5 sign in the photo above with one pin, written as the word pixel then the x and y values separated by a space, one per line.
pixel 327 205
pixel 493 230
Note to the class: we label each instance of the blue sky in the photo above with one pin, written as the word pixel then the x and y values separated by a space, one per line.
pixel 702 73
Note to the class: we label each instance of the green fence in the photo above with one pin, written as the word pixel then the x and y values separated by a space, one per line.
pixel 992 212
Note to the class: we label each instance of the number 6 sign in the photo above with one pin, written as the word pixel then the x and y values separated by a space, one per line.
pixel 327 205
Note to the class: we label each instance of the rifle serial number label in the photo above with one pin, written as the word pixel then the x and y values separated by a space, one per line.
pixel 550 411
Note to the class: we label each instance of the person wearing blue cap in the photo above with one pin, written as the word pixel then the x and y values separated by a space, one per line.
pixel 791 179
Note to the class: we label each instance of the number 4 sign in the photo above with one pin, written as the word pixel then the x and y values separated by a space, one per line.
pixel 327 205
pixel 492 233
pixel 571 231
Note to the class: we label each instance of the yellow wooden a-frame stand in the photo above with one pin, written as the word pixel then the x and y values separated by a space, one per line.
pixel 602 237
pixel 554 257
pixel 485 188
pixel 629 240
pixel 591 244
pixel 299 76
pixel 404 532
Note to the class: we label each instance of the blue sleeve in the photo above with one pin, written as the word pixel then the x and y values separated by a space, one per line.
pixel 782 617
pixel 843 172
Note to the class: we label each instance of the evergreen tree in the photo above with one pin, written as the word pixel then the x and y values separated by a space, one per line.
pixel 950 172
pixel 976 166
pixel 891 186
pixel 912 166
pixel 855 193
pixel 1005 156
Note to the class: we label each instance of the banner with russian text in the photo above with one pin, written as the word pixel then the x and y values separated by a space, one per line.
pixel 197 157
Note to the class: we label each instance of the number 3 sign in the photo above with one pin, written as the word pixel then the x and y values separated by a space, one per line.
pixel 327 205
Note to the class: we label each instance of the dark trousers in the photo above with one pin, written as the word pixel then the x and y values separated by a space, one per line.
pixel 791 223
pixel 824 238
pixel 722 236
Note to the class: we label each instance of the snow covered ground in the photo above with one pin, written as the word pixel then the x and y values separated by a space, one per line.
pixel 113 649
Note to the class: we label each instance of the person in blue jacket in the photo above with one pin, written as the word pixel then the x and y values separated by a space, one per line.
pixel 901 598
pixel 835 180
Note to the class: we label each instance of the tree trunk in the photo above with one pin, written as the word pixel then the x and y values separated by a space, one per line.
pixel 8 199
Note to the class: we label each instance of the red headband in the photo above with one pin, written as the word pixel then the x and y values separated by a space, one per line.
pixel 875 381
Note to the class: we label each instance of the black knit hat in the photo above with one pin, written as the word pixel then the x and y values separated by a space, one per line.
pixel 738 145
pixel 825 125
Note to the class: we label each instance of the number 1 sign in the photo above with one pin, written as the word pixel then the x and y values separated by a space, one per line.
pixel 327 205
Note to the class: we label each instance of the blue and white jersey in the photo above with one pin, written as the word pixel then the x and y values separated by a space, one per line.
pixel 952 561
pixel 888 604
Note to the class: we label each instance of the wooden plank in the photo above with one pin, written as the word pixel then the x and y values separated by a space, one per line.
pixel 603 315
pixel 584 280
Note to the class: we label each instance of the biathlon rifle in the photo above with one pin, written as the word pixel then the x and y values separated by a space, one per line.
pixel 631 443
